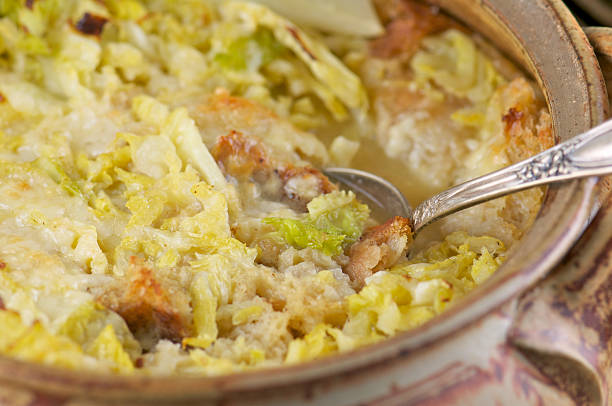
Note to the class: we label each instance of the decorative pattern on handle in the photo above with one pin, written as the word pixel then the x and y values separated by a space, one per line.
pixel 425 211
pixel 557 162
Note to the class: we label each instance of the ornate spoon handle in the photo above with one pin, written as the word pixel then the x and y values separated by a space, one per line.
pixel 588 154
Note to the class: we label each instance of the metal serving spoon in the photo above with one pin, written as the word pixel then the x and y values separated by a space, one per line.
pixel 587 154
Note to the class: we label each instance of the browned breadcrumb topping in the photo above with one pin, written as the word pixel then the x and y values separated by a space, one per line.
pixel 528 129
pixel 240 155
pixel 244 156
pixel 148 306
pixel 407 23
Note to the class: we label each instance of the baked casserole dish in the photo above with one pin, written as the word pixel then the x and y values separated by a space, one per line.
pixel 164 210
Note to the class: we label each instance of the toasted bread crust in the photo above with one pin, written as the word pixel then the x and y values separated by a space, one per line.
pixel 378 248
pixel 527 129
pixel 146 305
pixel 243 156
pixel 240 155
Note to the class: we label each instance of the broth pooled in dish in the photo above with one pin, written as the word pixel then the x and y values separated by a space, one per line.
pixel 163 208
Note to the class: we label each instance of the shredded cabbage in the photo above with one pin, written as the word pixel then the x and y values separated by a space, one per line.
pixel 53 168
pixel 107 347
pixel 181 129
pixel 323 64
pixel 452 61
pixel 405 296
pixel 251 51
pixel 35 343
pixel 334 221
pixel 204 313
pixel 88 323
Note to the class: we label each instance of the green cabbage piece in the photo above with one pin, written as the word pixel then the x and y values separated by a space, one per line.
pixel 238 51
pixel 304 234
pixel 334 221
pixel 339 211
pixel 56 172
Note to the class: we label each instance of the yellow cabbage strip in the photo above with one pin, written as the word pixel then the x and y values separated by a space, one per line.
pixel 322 340
pixel 34 343
pixel 108 347
pixel 412 293
pixel 246 314
pixel 182 130
pixel 126 9
pixel 85 324
pixel 55 171
pixel 204 305
pixel 349 17
pixel 382 299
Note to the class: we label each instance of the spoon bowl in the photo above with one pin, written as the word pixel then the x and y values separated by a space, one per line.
pixel 382 197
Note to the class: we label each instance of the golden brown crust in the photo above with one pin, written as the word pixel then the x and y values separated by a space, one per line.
pixel 221 110
pixel 527 126
pixel 301 184
pixel 378 248
pixel 407 23
pixel 240 156
pixel 147 306
pixel 244 156
pixel 324 184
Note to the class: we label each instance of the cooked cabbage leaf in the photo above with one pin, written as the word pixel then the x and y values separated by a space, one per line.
pixel 452 61
pixel 339 211
pixel 88 322
pixel 37 344
pixel 411 293
pixel 334 220
pixel 55 170
pixel 252 51
pixel 204 305
pixel 107 347
pixel 326 67
pixel 304 234
pixel 183 131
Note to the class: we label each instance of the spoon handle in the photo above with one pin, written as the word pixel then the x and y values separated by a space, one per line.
pixel 587 154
